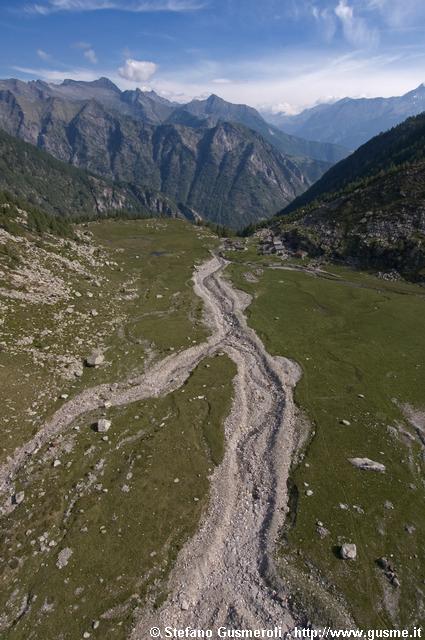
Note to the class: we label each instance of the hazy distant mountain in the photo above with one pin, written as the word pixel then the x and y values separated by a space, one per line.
pixel 369 208
pixel 214 109
pixel 351 122
pixel 226 172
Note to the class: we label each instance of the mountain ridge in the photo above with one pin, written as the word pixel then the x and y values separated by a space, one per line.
pixel 223 170
pixel 350 122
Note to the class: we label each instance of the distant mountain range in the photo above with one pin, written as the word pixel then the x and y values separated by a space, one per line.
pixel 350 122
pixel 369 209
pixel 223 161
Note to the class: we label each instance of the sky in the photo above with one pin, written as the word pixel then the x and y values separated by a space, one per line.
pixel 278 55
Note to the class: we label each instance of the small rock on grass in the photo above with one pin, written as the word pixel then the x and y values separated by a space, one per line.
pixel 348 551
pixel 322 531
pixel 18 498
pixel 103 425
pixel 63 557
pixel 95 359
pixel 367 464
pixel 345 422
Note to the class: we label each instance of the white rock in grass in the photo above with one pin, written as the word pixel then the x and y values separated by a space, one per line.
pixel 63 557
pixel 18 498
pixel 103 425
pixel 95 359
pixel 348 551
pixel 367 464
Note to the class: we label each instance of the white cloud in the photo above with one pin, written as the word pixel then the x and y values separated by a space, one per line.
pixel 88 52
pixel 284 108
pixel 355 28
pixel 58 75
pixel 137 6
pixel 43 55
pixel 137 70
pixel 399 13
pixel 327 22
pixel 90 55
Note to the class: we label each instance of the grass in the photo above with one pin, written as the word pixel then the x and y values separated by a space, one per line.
pixel 138 261
pixel 114 502
pixel 358 336
pixel 124 506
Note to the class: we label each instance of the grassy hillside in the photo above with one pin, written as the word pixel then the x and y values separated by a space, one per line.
pixel 369 209
pixel 402 144
pixel 58 188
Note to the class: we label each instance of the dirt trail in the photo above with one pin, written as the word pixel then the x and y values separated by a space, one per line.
pixel 225 574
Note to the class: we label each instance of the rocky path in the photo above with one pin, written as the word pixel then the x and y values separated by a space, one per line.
pixel 225 574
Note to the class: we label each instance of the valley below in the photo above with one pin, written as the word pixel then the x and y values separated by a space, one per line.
pixel 178 424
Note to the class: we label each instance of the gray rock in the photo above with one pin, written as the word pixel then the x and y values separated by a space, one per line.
pixel 18 498
pixel 103 425
pixel 63 557
pixel 322 531
pixel 367 464
pixel 384 563
pixel 348 551
pixel 95 359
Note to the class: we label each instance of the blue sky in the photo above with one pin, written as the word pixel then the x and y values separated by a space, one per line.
pixel 279 54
